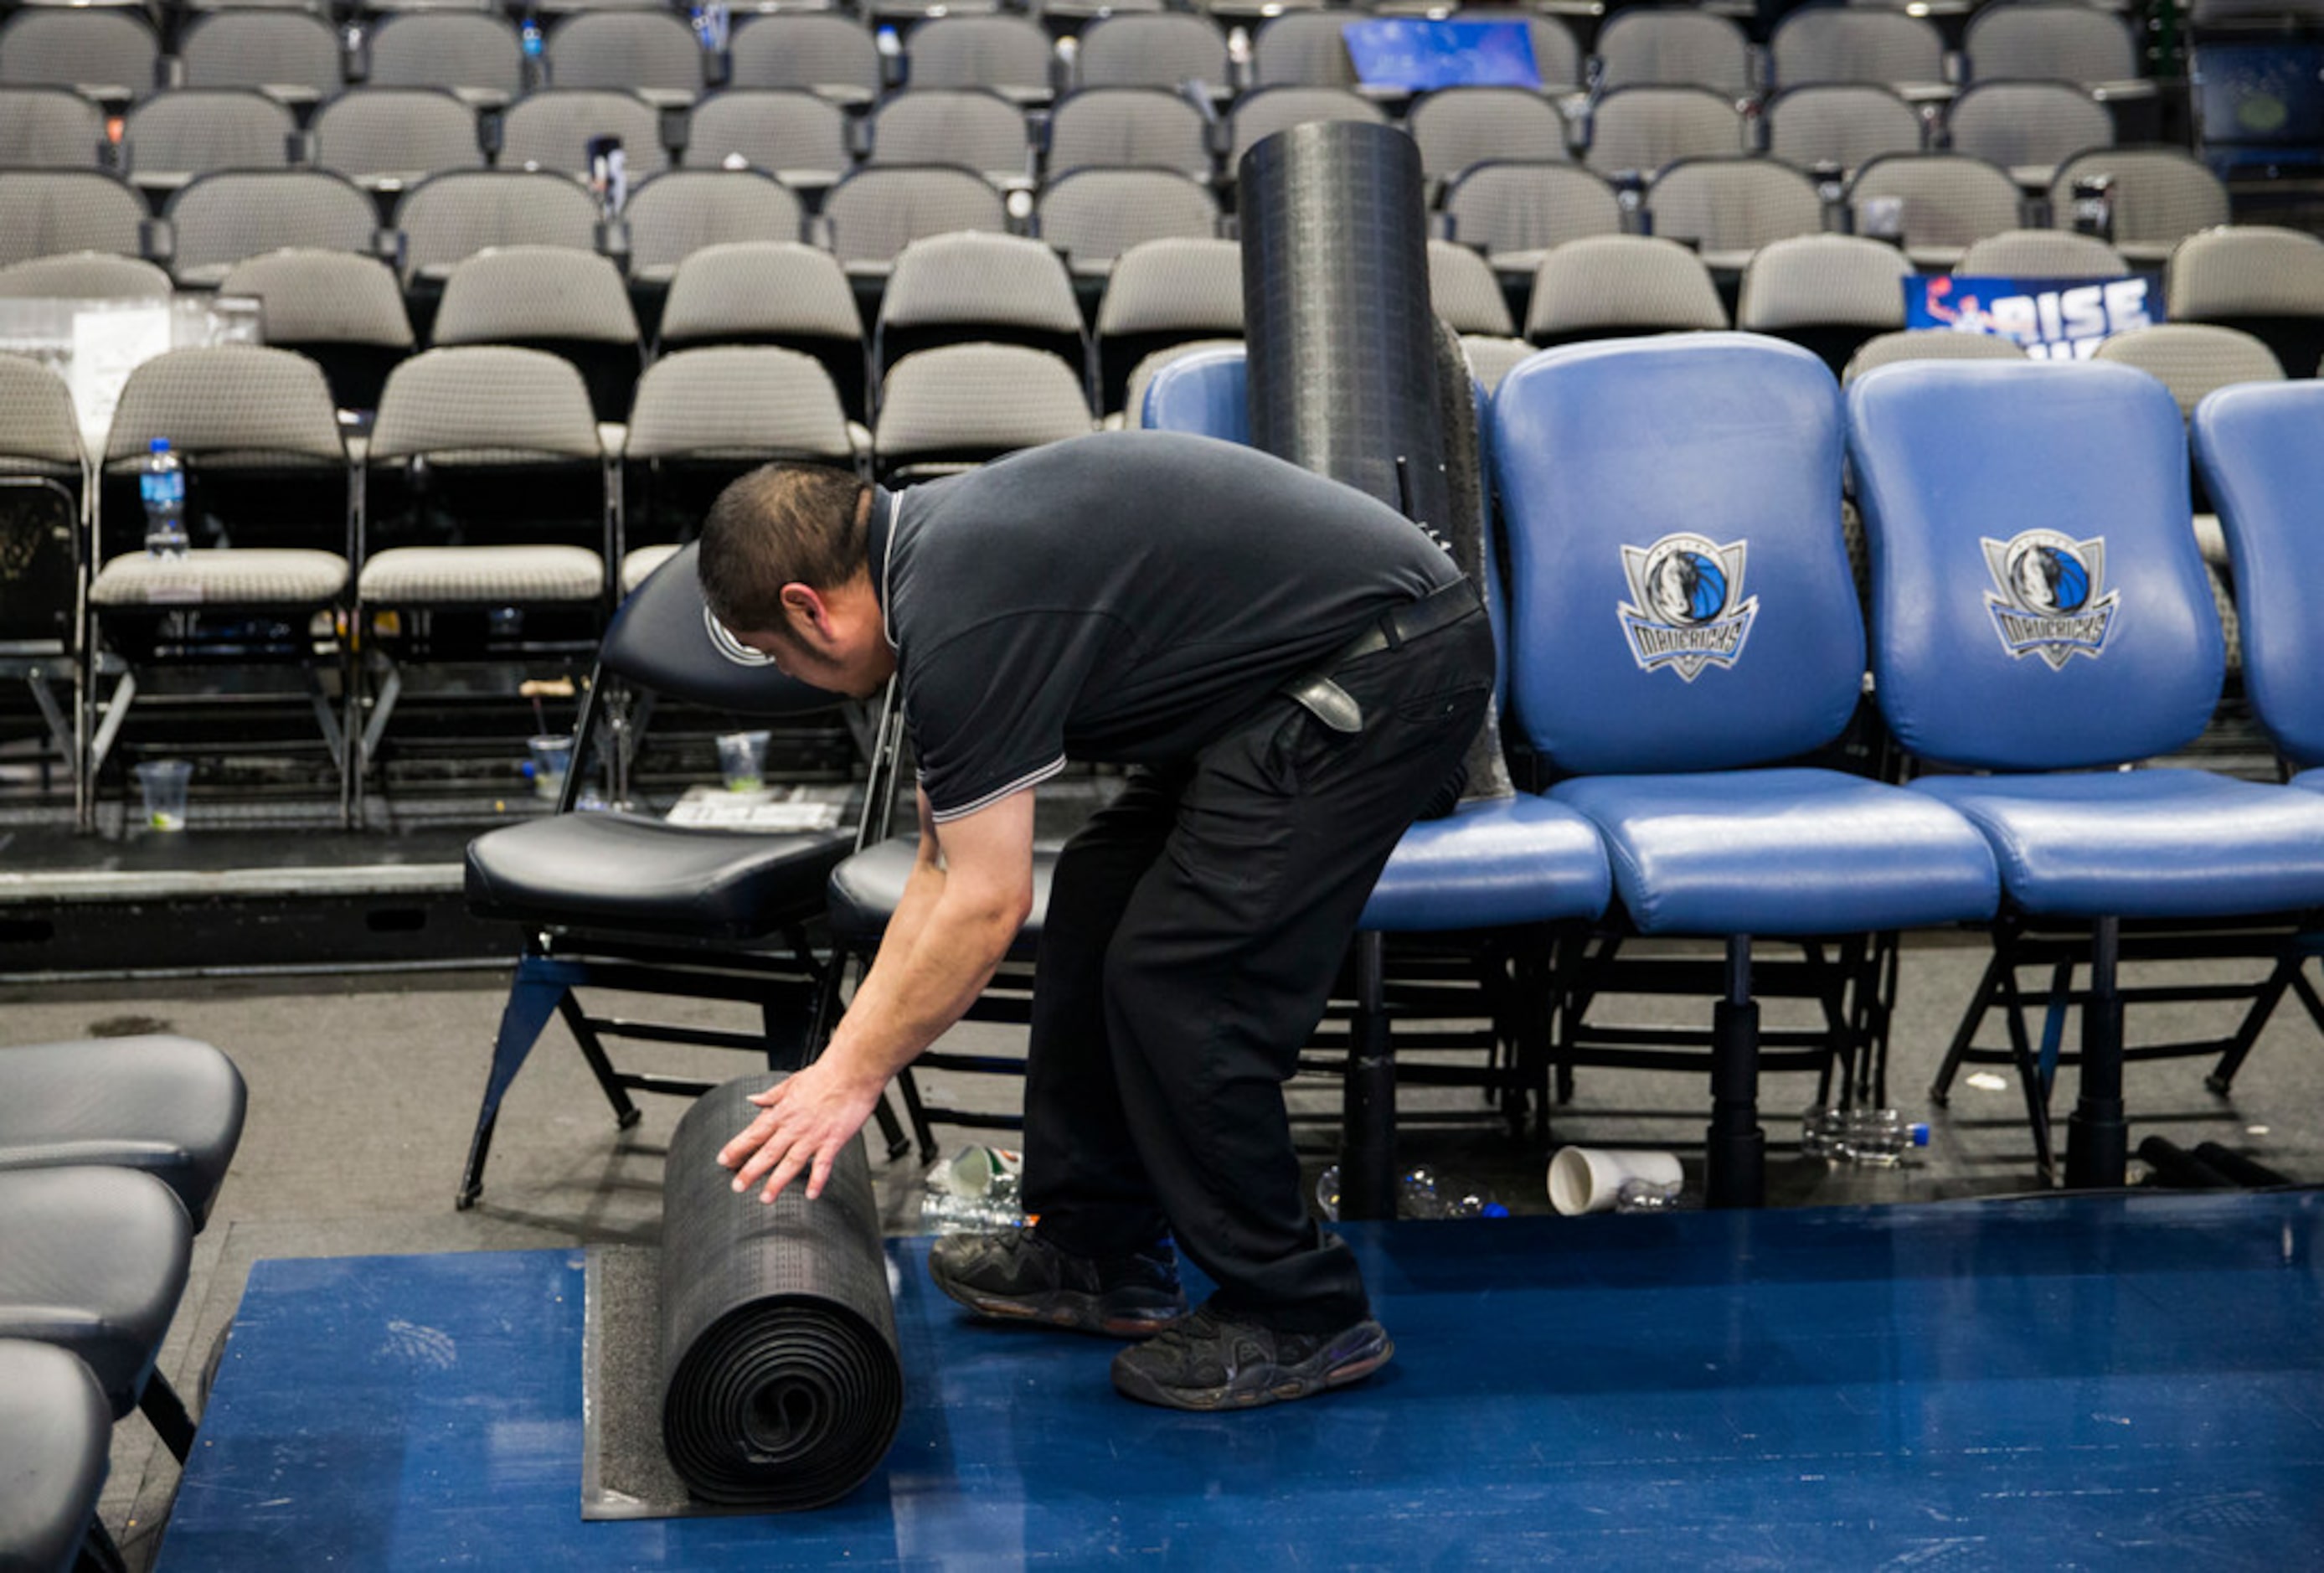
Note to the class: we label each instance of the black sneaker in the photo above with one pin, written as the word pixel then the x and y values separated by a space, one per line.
pixel 1214 1360
pixel 1017 1275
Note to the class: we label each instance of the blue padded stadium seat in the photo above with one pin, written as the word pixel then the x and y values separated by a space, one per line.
pixel 2040 614
pixel 1681 618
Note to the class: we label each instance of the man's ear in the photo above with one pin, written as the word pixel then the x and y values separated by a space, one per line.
pixel 803 605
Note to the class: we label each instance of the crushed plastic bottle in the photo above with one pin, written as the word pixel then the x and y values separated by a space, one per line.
pixel 974 1191
pixel 1418 1195
pixel 1647 1196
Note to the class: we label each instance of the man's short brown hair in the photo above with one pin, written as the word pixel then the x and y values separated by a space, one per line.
pixel 782 523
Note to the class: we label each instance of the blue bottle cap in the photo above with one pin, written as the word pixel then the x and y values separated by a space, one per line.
pixel 158 445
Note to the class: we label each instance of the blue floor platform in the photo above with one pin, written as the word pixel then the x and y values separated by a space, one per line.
pixel 2061 1383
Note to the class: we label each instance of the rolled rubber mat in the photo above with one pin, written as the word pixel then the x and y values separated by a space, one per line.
pixel 782 1384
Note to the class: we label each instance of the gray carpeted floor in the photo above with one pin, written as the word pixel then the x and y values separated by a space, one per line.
pixel 363 1096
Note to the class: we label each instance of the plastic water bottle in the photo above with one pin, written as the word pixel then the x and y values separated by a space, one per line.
pixel 1881 1138
pixel 162 486
pixel 1418 1195
pixel 975 1193
pixel 1644 1196
pixel 1823 1131
pixel 530 37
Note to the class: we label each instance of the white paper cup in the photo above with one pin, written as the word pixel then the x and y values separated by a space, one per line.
pixel 1587 1179
pixel 164 782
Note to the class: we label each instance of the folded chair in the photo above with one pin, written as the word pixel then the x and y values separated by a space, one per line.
pixel 624 900
pixel 2042 619
pixel 1682 629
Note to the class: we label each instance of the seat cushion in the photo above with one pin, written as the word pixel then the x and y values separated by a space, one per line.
pixel 168 1105
pixel 866 887
pixel 243 576
pixel 1783 852
pixel 54 1435
pixel 1507 860
pixel 93 1260
pixel 2146 843
pixel 639 564
pixel 469 575
pixel 622 873
pixel 2309 781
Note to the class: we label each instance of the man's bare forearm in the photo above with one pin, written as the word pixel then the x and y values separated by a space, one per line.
pixel 924 980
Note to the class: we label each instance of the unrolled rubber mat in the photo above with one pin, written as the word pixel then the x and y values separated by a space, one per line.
pixel 781 1387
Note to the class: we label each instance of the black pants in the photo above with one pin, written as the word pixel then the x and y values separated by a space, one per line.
pixel 1193 930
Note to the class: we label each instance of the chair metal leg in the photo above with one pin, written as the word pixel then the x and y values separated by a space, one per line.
pixel 1368 1121
pixel 2035 1072
pixel 593 1050
pixel 162 1406
pixel 1940 1086
pixel 2098 1136
pixel 2297 951
pixel 922 1132
pixel 1735 1147
pixel 892 1129
pixel 540 983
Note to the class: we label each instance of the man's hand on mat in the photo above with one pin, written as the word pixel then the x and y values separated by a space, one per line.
pixel 808 1119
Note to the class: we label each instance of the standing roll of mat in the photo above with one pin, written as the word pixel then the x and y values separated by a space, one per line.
pixel 782 1384
pixel 1341 367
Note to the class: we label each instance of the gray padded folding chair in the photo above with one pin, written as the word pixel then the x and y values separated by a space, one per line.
pixel 108 54
pixel 1516 212
pixel 1301 49
pixel 488 492
pixel 2193 359
pixel 52 212
pixel 2028 128
pixel 218 219
pixel 973 288
pixel 342 312
pixel 84 275
pixel 475 55
pixel 1928 344
pixel 1829 293
pixel 267 471
pixel 2268 282
pixel 2037 42
pixel 1621 286
pixel 1128 127
pixel 1557 58
pixel 944 411
pixel 449 217
pixel 1638 131
pixel 1464 292
pixel 388 138
pixel 170 138
pixel 702 416
pixel 650 51
pixel 1161 49
pixel 971 128
pixel 791 134
pixel 1491 357
pixel 1949 200
pixel 42 496
pixel 1841 125
pixel 1842 43
pixel 1159 294
pixel 287 55
pixel 1260 114
pixel 1729 208
pixel 680 211
pixel 1094 215
pixel 2160 196
pixel 879 209
pixel 50 129
pixel 1007 54
pixel 2039 254
pixel 1677 48
pixel 1457 127
pixel 794 296
pixel 552 130
pixel 830 56
pixel 569 303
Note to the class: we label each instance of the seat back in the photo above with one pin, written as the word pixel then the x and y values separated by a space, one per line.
pixel 1261 114
pixel 1160 293
pixel 1847 124
pixel 2192 359
pixel 1824 292
pixel 83 275
pixel 511 450
pixel 345 312
pixel 1638 130
pixel 625 49
pixel 552 130
pixel 2159 195
pixel 1674 47
pixel 1834 43
pixel 262 49
pixel 1005 52
pixel 1950 200
pixel 1463 289
pixel 48 127
pixel 1128 127
pixel 680 211
pixel 40 430
pixel 54 212
pixel 1609 286
pixel 973 287
pixel 662 639
pixel 2259 456
pixel 191 131
pixel 2269 283
pixel 2042 254
pixel 704 416
pixel 1302 49
pixel 1521 209
pixel 571 304
pixel 223 218
pixel 2026 124
pixel 776 129
pixel 961 404
pixel 830 55
pixel 1161 49
pixel 405 132
pixel 878 211
pixel 2065 43
pixel 1457 127
pixel 1927 344
pixel 447 48
pixel 449 217
pixel 108 49
pixel 1093 216
pixel 1685 616
pixel 1735 203
pixel 2038 601
pixel 752 293
pixel 1206 392
pixel 971 127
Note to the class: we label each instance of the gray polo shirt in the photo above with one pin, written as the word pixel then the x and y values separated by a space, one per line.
pixel 1124 597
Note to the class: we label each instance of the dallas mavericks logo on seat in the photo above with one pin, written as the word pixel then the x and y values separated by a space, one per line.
pixel 1686 609
pixel 2052 600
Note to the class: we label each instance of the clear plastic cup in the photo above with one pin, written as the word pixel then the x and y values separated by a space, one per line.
pixel 742 760
pixel 164 783
pixel 551 758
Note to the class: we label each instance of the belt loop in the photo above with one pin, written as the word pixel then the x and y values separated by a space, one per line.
pixel 1390 632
